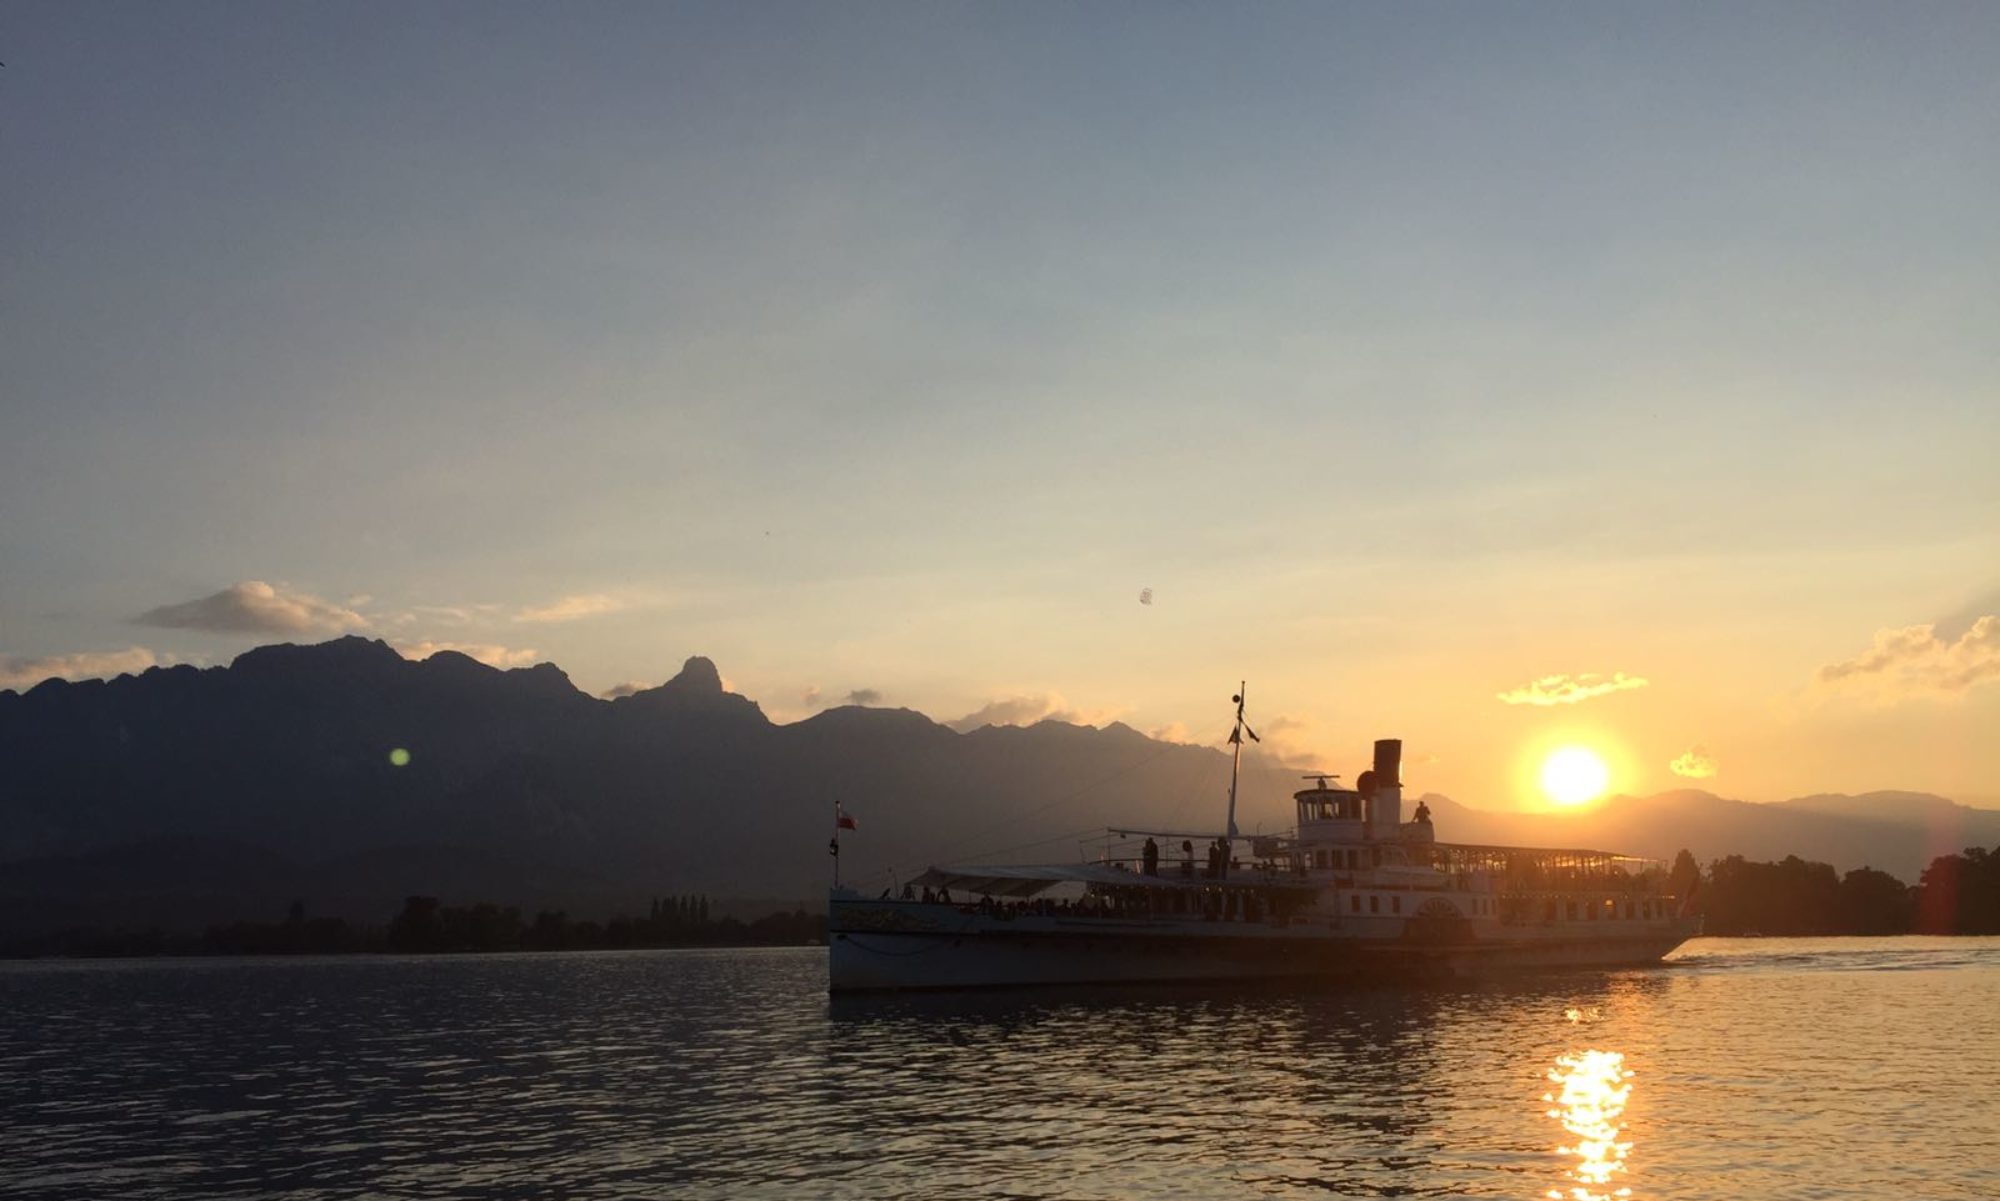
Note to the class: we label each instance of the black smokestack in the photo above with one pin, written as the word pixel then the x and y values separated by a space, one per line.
pixel 1388 763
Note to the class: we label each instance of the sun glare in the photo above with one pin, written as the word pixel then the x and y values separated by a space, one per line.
pixel 1574 774
pixel 1591 1106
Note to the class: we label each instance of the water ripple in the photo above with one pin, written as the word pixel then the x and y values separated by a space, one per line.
pixel 1761 1068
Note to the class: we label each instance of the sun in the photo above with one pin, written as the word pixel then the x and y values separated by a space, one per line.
pixel 1574 774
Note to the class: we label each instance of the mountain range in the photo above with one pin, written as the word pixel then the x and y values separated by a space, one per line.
pixel 348 776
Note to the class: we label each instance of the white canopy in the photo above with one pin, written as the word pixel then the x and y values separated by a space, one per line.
pixel 1000 880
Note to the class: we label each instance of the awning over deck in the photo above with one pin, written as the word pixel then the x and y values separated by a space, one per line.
pixel 1462 856
pixel 998 880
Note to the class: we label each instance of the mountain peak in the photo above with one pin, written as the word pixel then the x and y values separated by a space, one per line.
pixel 697 675
pixel 697 688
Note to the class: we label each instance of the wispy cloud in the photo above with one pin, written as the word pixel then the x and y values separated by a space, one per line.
pixel 1915 661
pixel 1695 764
pixel 1568 689
pixel 256 607
pixel 22 673
pixel 486 652
pixel 448 614
pixel 813 697
pixel 572 608
pixel 1027 709
pixel 1173 731
pixel 626 689
pixel 1288 738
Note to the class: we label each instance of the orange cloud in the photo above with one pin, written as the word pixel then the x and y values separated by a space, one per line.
pixel 22 673
pixel 1914 661
pixel 1568 689
pixel 1694 764
pixel 1288 739
pixel 487 653
pixel 571 608
pixel 1026 710
pixel 256 607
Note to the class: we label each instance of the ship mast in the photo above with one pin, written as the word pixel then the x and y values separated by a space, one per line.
pixel 1236 762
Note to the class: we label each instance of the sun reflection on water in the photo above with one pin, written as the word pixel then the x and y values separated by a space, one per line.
pixel 1592 1087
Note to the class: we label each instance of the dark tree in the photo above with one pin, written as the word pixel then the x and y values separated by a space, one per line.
pixel 1960 894
pixel 1873 902
pixel 1686 872
pixel 418 927
pixel 1792 897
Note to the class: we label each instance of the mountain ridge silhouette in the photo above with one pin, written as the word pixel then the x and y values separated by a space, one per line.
pixel 208 794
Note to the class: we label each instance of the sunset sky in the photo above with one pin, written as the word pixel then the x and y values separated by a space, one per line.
pixel 1492 376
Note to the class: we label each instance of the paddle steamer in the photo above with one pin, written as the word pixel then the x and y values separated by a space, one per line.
pixel 1353 891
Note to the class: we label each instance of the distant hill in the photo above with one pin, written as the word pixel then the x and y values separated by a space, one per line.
pixel 1896 832
pixel 189 795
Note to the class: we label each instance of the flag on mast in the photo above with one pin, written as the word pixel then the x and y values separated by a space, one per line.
pixel 1242 726
pixel 840 822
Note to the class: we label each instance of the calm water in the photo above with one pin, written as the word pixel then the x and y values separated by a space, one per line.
pixel 1758 1069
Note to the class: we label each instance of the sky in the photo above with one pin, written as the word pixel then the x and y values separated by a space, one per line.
pixel 1492 376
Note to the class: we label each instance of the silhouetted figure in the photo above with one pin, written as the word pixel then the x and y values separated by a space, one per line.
pixel 1151 856
pixel 1187 857
pixel 908 894
pixel 1423 814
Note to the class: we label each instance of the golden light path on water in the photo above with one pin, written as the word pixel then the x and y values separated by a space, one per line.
pixel 1589 1100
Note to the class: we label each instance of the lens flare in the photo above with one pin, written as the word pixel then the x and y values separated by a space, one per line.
pixel 1592 1089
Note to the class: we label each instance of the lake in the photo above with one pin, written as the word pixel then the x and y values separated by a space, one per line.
pixel 1754 1068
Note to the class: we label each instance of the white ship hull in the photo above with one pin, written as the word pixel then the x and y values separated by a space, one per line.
pixel 888 945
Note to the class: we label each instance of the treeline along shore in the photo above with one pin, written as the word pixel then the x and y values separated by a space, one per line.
pixel 427 926
pixel 1957 894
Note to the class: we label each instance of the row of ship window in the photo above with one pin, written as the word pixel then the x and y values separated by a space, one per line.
pixel 1327 860
pixel 1609 909
pixel 1480 906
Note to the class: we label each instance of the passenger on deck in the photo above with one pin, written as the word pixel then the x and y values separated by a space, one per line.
pixel 908 893
pixel 1423 814
pixel 1187 856
pixel 1150 854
